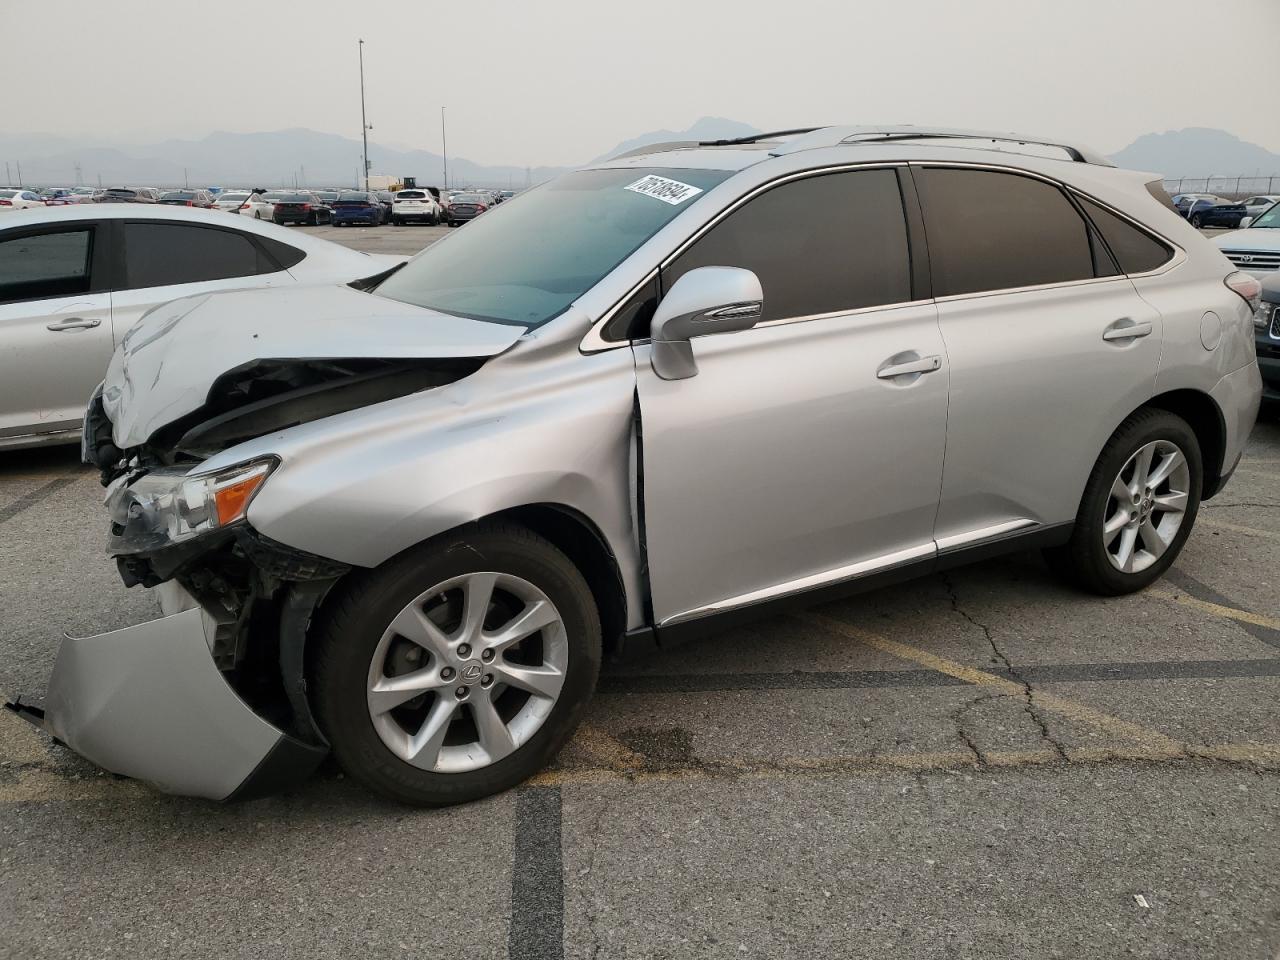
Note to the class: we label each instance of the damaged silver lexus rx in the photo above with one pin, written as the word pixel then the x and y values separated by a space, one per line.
pixel 405 521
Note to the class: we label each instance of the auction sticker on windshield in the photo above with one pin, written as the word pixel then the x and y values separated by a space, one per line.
pixel 660 188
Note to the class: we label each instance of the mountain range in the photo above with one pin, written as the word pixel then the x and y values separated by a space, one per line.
pixel 275 158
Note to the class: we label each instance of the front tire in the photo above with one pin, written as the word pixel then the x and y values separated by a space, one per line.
pixel 460 668
pixel 1138 507
pixel 1197 221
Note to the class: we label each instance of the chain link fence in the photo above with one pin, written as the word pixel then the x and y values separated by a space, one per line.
pixel 1230 188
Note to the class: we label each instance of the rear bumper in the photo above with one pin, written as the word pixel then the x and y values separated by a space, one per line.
pixel 373 216
pixel 1238 395
pixel 148 702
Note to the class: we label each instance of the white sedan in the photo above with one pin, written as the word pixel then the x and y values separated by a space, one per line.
pixel 262 206
pixel 19 199
pixel 74 279
pixel 231 202
pixel 1257 206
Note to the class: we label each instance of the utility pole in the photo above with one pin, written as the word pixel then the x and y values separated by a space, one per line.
pixel 185 183
pixel 444 142
pixel 8 177
pixel 364 123
pixel 19 163
pixel 79 177
pixel 303 170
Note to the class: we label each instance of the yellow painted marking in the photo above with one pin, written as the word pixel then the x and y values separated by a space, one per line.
pixel 1156 742
pixel 1231 613
pixel 1237 528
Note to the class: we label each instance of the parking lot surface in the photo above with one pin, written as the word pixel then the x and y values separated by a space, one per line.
pixel 982 764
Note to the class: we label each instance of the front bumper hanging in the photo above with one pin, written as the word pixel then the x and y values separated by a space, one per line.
pixel 148 702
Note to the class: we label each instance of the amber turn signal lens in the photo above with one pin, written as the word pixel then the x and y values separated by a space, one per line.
pixel 233 499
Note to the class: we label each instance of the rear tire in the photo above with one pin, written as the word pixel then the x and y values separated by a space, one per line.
pixel 1121 542
pixel 388 746
pixel 1197 220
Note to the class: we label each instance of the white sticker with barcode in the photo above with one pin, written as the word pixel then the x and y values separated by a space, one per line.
pixel 660 188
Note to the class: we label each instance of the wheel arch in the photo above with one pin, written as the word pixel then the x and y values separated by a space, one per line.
pixel 576 536
pixel 1201 413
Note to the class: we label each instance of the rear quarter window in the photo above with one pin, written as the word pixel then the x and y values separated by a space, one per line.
pixel 1134 249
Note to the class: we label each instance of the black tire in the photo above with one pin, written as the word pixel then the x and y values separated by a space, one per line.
pixel 351 625
pixel 1196 220
pixel 396 222
pixel 1084 560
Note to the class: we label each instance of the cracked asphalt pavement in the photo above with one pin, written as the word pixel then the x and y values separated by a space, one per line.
pixel 984 764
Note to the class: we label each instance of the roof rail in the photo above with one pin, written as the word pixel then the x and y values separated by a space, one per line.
pixel 834 136
pixel 656 148
pixel 757 137
pixel 686 144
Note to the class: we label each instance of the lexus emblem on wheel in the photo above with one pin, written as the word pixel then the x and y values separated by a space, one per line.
pixel 471 673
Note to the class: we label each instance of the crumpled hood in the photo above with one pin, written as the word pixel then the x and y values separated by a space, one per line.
pixel 165 365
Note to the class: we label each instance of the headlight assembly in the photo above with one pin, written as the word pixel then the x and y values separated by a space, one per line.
pixel 169 506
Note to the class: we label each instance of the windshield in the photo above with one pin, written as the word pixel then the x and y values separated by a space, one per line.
pixel 1269 218
pixel 526 260
pixel 411 195
pixel 272 196
pixel 6 194
pixel 233 198
pixel 179 195
pixel 356 197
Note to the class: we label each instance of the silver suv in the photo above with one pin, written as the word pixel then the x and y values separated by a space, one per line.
pixel 406 522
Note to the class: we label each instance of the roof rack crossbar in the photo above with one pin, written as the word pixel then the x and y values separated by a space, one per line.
pixel 834 136
pixel 757 137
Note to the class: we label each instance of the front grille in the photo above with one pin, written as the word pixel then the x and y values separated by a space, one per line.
pixel 1255 259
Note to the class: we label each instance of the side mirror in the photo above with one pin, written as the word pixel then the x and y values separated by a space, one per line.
pixel 1246 222
pixel 703 301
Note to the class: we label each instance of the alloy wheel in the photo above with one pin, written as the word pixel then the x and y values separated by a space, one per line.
pixel 467 672
pixel 1147 506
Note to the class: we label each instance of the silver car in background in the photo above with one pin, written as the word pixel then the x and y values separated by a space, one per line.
pixel 75 279
pixel 692 384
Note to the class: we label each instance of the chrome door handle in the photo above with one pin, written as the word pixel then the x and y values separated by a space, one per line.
pixel 923 365
pixel 73 323
pixel 1125 329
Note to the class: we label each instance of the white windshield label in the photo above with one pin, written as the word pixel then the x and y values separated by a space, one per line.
pixel 660 188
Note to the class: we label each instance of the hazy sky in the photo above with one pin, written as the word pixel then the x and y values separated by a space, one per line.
pixel 560 81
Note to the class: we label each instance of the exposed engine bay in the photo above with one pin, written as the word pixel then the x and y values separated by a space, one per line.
pixel 263 396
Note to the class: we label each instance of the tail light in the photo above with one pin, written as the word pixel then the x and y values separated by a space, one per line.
pixel 306 206
pixel 244 206
pixel 1248 288
pixel 481 208
pixel 6 203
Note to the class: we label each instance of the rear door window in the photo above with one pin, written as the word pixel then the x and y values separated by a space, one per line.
pixel 162 254
pixel 1135 250
pixel 989 230
pixel 45 265
pixel 829 243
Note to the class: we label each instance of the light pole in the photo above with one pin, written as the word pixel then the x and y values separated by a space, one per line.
pixel 364 123
pixel 444 142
